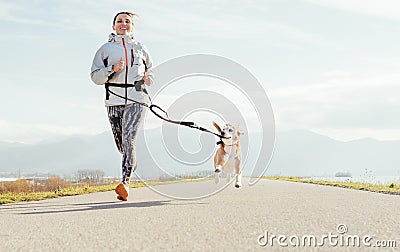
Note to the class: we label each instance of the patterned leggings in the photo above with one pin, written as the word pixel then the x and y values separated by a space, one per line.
pixel 125 121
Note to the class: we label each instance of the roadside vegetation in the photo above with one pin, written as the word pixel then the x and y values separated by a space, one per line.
pixel 390 188
pixel 54 187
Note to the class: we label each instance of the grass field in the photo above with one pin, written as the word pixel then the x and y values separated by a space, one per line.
pixel 391 188
pixel 13 197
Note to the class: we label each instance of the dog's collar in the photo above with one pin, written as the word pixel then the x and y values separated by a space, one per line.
pixel 229 145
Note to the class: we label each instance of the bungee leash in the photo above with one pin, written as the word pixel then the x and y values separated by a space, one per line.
pixel 152 107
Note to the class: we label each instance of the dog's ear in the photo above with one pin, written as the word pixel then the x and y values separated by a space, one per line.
pixel 239 131
pixel 217 127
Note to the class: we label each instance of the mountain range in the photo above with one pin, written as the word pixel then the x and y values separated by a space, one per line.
pixel 297 153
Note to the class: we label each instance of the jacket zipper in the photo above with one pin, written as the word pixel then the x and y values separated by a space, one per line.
pixel 126 71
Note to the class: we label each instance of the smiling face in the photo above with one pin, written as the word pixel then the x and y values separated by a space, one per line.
pixel 123 24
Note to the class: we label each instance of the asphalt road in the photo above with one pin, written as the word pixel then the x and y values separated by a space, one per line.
pixel 231 220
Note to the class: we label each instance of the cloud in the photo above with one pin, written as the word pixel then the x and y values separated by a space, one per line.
pixel 342 100
pixel 348 134
pixel 383 8
pixel 24 14
pixel 65 16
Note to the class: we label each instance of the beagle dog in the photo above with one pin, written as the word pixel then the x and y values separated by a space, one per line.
pixel 228 156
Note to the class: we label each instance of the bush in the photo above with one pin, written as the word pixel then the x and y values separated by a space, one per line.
pixel 51 184
pixel 18 186
pixel 54 184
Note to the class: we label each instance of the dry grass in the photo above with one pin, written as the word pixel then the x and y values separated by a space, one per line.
pixel 391 188
pixel 24 190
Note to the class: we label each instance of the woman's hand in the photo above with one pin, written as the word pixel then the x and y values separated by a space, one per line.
pixel 147 80
pixel 118 66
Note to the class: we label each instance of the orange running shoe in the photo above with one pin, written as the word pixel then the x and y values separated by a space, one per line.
pixel 123 191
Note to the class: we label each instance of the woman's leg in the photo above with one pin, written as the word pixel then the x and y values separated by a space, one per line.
pixel 115 114
pixel 125 121
pixel 132 117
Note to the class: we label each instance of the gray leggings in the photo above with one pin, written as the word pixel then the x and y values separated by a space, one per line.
pixel 125 121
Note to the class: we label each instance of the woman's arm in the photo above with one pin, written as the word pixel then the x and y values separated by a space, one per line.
pixel 101 69
pixel 148 79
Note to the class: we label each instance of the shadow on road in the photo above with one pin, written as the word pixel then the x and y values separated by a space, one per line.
pixel 100 206
pixel 83 207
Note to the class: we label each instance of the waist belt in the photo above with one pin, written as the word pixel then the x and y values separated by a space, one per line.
pixel 137 84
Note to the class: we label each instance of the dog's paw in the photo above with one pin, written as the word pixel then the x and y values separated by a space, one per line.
pixel 238 185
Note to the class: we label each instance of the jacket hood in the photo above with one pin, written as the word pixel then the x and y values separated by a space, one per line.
pixel 118 38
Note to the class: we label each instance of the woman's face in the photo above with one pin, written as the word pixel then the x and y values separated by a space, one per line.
pixel 123 24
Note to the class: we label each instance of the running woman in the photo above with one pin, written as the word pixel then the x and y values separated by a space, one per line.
pixel 124 66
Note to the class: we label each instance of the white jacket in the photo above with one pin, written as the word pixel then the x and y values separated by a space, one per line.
pixel 109 54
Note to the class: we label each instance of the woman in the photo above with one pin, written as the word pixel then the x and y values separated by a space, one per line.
pixel 124 66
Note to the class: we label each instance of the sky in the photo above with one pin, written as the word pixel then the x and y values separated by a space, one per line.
pixel 329 66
